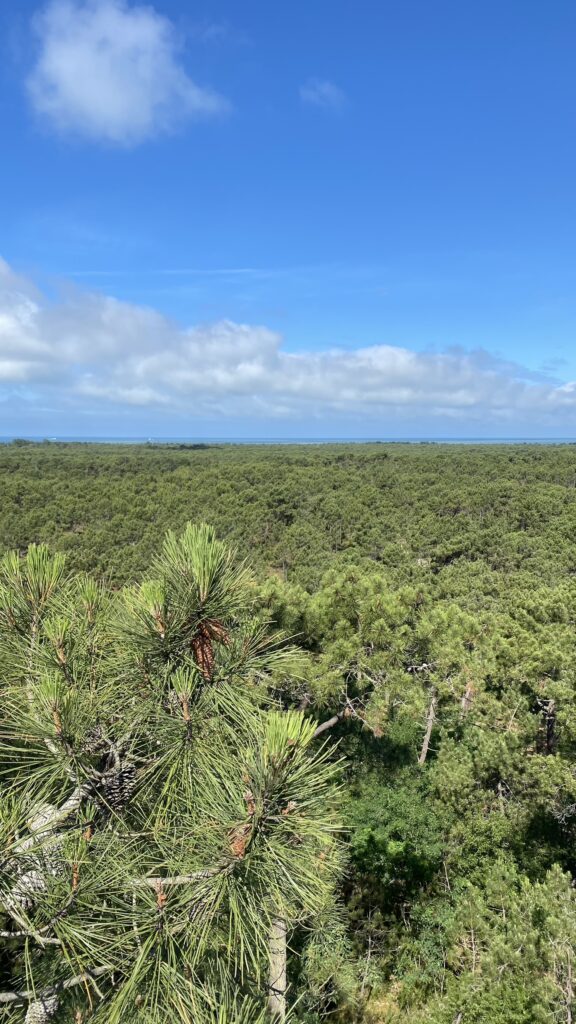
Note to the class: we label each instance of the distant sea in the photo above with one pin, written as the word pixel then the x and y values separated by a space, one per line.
pixel 295 441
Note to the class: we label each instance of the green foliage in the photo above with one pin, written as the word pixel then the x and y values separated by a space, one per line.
pixel 160 810
pixel 502 951
pixel 429 592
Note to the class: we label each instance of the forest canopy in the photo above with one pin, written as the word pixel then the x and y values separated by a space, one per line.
pixel 419 603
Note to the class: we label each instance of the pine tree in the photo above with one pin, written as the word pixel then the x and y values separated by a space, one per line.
pixel 165 825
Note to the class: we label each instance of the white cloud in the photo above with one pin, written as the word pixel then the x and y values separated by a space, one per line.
pixel 320 92
pixel 91 348
pixel 111 72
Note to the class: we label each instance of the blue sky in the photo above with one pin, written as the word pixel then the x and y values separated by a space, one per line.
pixel 306 219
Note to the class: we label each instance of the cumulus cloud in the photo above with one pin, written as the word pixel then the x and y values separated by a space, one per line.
pixel 319 92
pixel 111 72
pixel 91 348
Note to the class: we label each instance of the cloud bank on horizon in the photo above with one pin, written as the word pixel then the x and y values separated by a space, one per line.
pixel 91 353
pixel 111 72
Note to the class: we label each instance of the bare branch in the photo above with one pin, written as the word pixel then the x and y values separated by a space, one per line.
pixel 329 723
pixel 352 709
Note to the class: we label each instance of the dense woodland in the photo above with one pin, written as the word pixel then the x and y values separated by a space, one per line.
pixel 405 647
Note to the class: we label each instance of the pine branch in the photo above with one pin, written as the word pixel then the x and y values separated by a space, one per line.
pixel 248 766
pixel 154 882
pixel 39 934
pixel 30 881
pixel 51 816
pixel 43 940
pixel 27 995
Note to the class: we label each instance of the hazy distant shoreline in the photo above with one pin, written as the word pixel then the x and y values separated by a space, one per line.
pixel 290 441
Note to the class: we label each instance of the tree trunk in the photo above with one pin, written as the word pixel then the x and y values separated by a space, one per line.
pixel 467 699
pixel 277 970
pixel 429 726
pixel 569 992
pixel 551 727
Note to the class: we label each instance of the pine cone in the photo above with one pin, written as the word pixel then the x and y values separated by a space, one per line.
pixel 120 786
pixel 33 873
pixel 27 886
pixel 41 1011
pixel 93 741
pixel 239 839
